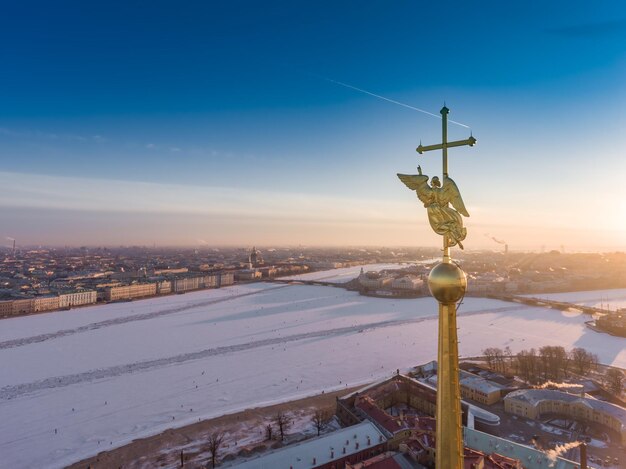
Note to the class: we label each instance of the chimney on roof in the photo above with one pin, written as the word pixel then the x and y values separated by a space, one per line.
pixel 332 455
pixel 356 445
pixel 344 450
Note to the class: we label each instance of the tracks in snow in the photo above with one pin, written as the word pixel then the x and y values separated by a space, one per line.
pixel 13 391
pixel 122 320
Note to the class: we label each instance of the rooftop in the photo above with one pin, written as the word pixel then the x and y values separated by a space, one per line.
pixel 529 457
pixel 323 449
pixel 535 396
pixel 477 382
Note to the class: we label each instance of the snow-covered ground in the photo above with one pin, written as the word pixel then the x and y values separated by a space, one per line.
pixel 247 434
pixel 74 383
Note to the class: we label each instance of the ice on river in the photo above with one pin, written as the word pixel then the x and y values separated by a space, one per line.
pixel 77 382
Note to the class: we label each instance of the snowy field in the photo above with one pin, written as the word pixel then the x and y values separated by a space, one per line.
pixel 74 383
pixel 348 273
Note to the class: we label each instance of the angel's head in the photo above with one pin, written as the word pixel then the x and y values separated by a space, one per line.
pixel 434 182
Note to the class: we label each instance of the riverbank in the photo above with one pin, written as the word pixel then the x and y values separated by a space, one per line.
pixel 245 433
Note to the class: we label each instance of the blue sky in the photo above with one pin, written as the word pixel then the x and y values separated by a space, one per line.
pixel 205 100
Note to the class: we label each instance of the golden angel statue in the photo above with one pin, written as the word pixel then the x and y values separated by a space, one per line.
pixel 444 220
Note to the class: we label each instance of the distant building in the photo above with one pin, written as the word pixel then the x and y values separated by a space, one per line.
pixel 615 322
pixel 181 270
pixel 533 403
pixel 164 287
pixel 268 272
pixel 249 274
pixel 6 308
pixel 326 265
pixel 407 282
pixel 129 292
pixel 46 303
pixel 226 278
pixel 374 280
pixel 78 298
pixel 23 306
pixel 185 284
pixel 210 280
pixel 254 258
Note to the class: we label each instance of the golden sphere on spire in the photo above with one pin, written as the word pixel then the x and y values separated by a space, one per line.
pixel 447 283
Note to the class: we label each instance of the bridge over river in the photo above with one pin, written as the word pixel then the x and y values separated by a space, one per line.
pixel 306 282
pixel 531 301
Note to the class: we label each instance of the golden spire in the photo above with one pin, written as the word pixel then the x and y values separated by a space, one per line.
pixel 447 283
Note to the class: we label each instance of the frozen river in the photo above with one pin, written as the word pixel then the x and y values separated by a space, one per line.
pixel 74 383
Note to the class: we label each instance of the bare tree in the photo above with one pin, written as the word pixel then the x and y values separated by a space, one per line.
pixel 282 422
pixel 216 439
pixel 508 354
pixel 523 365
pixel 554 360
pixel 490 356
pixel 534 364
pixel 320 419
pixel 268 431
pixel 500 357
pixel 614 381
pixel 527 364
pixel 564 360
pixel 582 360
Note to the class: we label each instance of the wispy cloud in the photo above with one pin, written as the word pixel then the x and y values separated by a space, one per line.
pixel 155 146
pixel 39 135
pixel 99 195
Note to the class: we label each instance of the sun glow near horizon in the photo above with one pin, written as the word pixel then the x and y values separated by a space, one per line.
pixel 129 212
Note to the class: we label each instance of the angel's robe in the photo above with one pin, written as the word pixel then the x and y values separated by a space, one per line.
pixel 444 220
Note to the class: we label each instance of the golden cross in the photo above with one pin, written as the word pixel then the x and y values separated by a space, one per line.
pixel 444 145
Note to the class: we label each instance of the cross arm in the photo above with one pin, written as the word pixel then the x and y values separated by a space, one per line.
pixel 458 143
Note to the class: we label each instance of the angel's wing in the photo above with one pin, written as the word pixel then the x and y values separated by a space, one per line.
pixel 453 196
pixel 417 182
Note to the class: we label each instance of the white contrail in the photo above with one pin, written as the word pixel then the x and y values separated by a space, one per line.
pixel 392 101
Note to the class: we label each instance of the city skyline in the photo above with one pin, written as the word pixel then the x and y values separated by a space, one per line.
pixel 128 125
